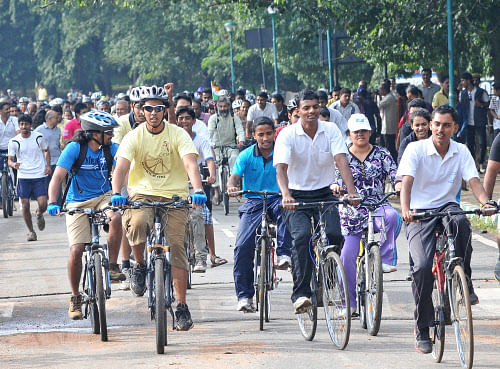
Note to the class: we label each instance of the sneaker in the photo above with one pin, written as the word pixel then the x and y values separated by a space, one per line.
pixel 245 305
pixel 114 272
pixel 138 280
pixel 31 236
pixel 183 318
pixel 40 222
pixel 200 267
pixel 284 262
pixel 423 343
pixel 497 270
pixel 75 307
pixel 482 168
pixel 386 268
pixel 302 304
pixel 409 276
pixel 125 284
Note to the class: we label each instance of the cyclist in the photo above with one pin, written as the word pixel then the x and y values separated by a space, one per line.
pixel 254 165
pixel 9 127
pixel 431 171
pixel 370 166
pixel 304 156
pixel 89 188
pixel 33 165
pixel 156 157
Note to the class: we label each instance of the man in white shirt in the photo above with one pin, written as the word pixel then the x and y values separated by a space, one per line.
pixel 427 87
pixel 262 108
pixel 335 116
pixel 495 108
pixel 199 127
pixel 33 165
pixel 344 104
pixel 432 171
pixel 305 155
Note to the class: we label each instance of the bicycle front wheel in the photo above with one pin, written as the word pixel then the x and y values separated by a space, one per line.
pixel 308 320
pixel 225 196
pixel 262 283
pixel 160 312
pixel 374 290
pixel 5 195
pixel 361 290
pixel 462 316
pixel 437 331
pixel 336 300
pixel 100 296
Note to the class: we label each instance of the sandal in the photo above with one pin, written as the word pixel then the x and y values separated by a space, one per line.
pixel 217 261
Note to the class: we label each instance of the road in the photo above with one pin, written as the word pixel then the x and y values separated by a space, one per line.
pixel 35 331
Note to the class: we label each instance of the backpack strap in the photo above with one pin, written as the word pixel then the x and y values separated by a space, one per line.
pixel 75 168
pixel 109 160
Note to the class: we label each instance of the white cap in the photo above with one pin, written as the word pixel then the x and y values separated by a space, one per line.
pixel 357 122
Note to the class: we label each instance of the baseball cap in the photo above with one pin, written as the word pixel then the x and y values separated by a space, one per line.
pixel 357 122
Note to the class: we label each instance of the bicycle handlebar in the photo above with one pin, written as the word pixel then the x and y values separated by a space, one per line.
pixel 441 214
pixel 173 204
pixel 265 193
pixel 225 147
pixel 89 211
pixel 384 199
pixel 344 201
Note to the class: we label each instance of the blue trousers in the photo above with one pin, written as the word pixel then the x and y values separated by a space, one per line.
pixel 250 218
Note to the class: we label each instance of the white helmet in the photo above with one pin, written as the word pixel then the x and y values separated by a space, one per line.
pixel 250 98
pixel 97 120
pixel 144 93
pixel 237 104
pixel 96 95
pixel 56 101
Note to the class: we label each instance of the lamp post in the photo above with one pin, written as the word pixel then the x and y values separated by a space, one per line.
pixel 230 27
pixel 450 53
pixel 272 10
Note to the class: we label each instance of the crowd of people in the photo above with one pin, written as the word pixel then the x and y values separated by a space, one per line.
pixel 151 144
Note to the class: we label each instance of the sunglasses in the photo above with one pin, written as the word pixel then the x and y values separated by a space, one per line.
pixel 109 133
pixel 156 108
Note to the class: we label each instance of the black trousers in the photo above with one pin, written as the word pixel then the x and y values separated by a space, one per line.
pixel 299 225
pixel 422 245
pixel 480 132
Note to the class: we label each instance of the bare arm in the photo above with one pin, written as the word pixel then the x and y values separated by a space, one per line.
pixel 47 161
pixel 120 174
pixel 282 178
pixel 478 190
pixel 169 88
pixel 13 164
pixel 490 177
pixel 193 171
pixel 232 184
pixel 211 170
pixel 406 186
pixel 55 183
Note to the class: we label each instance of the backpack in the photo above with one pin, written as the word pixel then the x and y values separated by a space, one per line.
pixel 78 163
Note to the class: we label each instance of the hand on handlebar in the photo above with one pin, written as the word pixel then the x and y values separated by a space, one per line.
pixel 198 199
pixel 407 215
pixel 353 196
pixel 118 200
pixel 286 200
pixel 336 189
pixel 489 209
pixel 54 209
pixel 210 180
pixel 231 190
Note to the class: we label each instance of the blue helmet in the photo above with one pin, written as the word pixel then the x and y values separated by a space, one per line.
pixel 97 120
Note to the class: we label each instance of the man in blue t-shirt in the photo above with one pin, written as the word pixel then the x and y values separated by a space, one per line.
pixel 255 165
pixel 89 188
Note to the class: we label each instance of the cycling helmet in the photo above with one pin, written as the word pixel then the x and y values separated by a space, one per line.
pixel 144 93
pixel 121 95
pixel 237 104
pixel 292 105
pixel 56 101
pixel 250 98
pixel 97 120
pixel 23 100
pixel 96 95
pixel 86 99
pixel 100 102
pixel 222 93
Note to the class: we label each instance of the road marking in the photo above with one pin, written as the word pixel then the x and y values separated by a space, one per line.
pixel 228 233
pixel 484 240
pixel 6 310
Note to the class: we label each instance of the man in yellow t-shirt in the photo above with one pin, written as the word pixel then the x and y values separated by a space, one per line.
pixel 158 157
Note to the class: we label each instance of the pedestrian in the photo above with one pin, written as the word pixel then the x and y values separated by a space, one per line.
pixel 388 112
pixel 427 87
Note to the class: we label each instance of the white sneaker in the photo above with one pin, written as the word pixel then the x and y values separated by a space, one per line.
pixel 302 304
pixel 245 305
pixel 284 262
pixel 386 268
pixel 200 267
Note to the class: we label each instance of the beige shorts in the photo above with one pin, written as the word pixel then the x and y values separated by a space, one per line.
pixel 138 222
pixel 78 225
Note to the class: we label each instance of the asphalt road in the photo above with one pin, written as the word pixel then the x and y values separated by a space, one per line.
pixel 35 331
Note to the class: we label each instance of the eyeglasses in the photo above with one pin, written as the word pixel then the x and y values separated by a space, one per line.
pixel 156 108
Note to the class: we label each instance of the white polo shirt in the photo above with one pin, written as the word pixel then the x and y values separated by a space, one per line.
pixel 255 112
pixel 436 180
pixel 337 118
pixel 200 128
pixel 311 163
pixel 7 131
pixel 30 153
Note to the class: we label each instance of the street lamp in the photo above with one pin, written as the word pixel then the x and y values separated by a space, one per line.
pixel 230 27
pixel 272 10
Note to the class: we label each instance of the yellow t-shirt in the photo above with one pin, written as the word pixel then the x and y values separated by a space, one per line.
pixel 156 160
pixel 123 128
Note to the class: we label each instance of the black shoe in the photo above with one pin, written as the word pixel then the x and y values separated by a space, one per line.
pixel 409 277
pixel 138 279
pixel 183 318
pixel 114 273
pixel 474 300
pixel 423 343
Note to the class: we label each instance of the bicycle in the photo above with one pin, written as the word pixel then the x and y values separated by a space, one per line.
pixel 369 274
pixel 328 281
pixel 96 283
pixel 159 270
pixel 264 266
pixel 8 190
pixel 224 171
pixel 450 292
pixel 190 252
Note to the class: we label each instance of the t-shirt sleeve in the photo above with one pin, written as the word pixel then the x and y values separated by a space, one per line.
pixel 12 148
pixel 240 164
pixel 250 115
pixel 282 148
pixel 127 148
pixel 409 162
pixel 337 143
pixel 185 144
pixel 205 150
pixel 114 149
pixel 469 166
pixel 69 155
pixel 495 149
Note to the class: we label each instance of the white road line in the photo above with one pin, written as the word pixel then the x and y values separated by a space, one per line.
pixel 484 240
pixel 6 310
pixel 228 233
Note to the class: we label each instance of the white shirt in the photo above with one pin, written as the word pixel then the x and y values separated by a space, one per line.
pixel 203 147
pixel 346 111
pixel 201 129
pixel 255 112
pixel 7 131
pixel 311 163
pixel 436 180
pixel 30 153
pixel 495 106
pixel 340 121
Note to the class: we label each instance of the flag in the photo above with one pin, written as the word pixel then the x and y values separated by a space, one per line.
pixel 215 91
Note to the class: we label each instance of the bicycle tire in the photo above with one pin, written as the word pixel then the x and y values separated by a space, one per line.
pixel 160 311
pixel 462 317
pixel 11 196
pixel 93 310
pixel 336 299
pixel 225 196
pixel 361 291
pixel 5 196
pixel 269 285
pixel 262 284
pixel 374 290
pixel 437 332
pixel 100 296
pixel 190 256
pixel 308 321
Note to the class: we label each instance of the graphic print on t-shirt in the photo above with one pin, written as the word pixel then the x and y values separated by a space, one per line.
pixel 158 166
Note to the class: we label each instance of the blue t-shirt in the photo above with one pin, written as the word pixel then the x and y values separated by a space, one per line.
pixel 92 178
pixel 258 173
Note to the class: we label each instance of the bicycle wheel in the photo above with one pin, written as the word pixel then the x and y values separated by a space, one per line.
pixel 336 300
pixel 225 196
pixel 190 256
pixel 262 284
pixel 308 320
pixel 5 195
pixel 437 332
pixel 160 313
pixel 269 284
pixel 92 304
pixel 10 195
pixel 374 290
pixel 462 316
pixel 100 296
pixel 361 291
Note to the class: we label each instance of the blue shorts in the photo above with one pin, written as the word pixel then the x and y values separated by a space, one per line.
pixel 36 187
